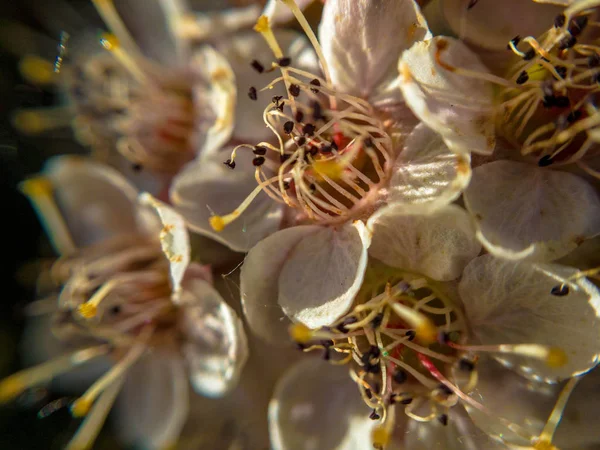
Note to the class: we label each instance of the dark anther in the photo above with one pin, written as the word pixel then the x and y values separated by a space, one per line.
pixel 334 145
pixel 393 398
pixel 466 365
pixel 561 101
pixel 326 343
pixel 229 163
pixel 308 129
pixel 515 41
pixel 523 77
pixel 315 82
pixel 301 141
pixel 369 143
pixel 259 150
pixel 317 112
pixel 374 415
pixel 299 116
pixel 370 360
pixel 313 187
pixel 443 337
pixel 445 389
pixel 593 60
pixel 286 185
pixel 560 290
pixel 577 25
pixel 411 334
pixel 443 419
pixel 288 127
pixel 400 376
pixel 562 71
pixel 369 394
pixel 472 3
pixel 136 167
pixel 252 93
pixel 545 161
pixel 559 20
pixel 313 150
pixel 284 62
pixel 376 322
pixel 347 321
pixel 326 149
pixel 276 99
pixel 549 101
pixel 115 310
pixel 294 90
pixel 574 116
pixel 300 346
pixel 326 354
pixel 257 66
pixel 284 157
pixel 258 161
pixel 529 55
pixel 567 42
pixel 406 401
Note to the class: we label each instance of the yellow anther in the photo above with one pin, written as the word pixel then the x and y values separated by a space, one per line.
pixel 87 310
pixel 217 223
pixel 300 333
pixel 37 187
pixel 544 445
pixel 29 122
pixel 109 41
pixel 380 437
pixel 37 70
pixel 330 169
pixel 10 388
pixel 426 332
pixel 81 407
pixel 556 357
pixel 262 25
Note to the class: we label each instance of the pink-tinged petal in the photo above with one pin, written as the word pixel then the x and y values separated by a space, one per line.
pixel 509 302
pixel 215 347
pixel 437 244
pixel 426 174
pixel 323 273
pixel 207 186
pixel 317 406
pixel 362 41
pixel 457 106
pixel 523 211
pixel 259 282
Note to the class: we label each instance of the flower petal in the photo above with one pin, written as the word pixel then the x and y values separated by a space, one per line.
pixel 458 107
pixel 153 405
pixel 438 245
pixel 323 273
pixel 207 185
pixel 317 406
pixel 509 302
pixel 427 174
pixel 362 42
pixel 259 283
pixel 277 12
pixel 216 348
pixel 522 211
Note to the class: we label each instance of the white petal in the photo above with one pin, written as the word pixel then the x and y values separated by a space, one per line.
pixel 259 282
pixel 153 405
pixel 323 273
pixel 458 107
pixel 95 200
pixel 316 406
pixel 207 185
pixel 174 240
pixel 522 211
pixel 215 345
pixel 152 24
pixel 363 40
pixel 278 12
pixel 427 174
pixel 438 245
pixel 510 302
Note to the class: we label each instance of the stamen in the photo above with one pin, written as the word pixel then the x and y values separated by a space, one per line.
pixel 39 120
pixel 553 356
pixel 424 327
pixel 111 18
pixel 37 70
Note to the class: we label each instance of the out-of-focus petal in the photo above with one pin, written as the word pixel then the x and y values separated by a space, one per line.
pixel 522 211
pixel 317 406
pixel 323 273
pixel 457 106
pixel 278 12
pixel 439 244
pixel 426 174
pixel 216 348
pixel 259 282
pixel 509 302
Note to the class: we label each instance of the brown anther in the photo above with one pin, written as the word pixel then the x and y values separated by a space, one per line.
pixel 559 20
pixel 443 419
pixel 284 62
pixel 374 415
pixel 315 82
pixel 545 161
pixel 288 127
pixel 229 163
pixel 258 161
pixel 529 55
pixel 400 376
pixel 411 334
pixel 257 66
pixel 299 117
pixel 577 25
pixel 252 94
pixel 294 90
pixel 522 78
pixel 308 129
pixel 259 150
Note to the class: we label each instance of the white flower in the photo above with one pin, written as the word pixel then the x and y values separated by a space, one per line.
pixel 147 309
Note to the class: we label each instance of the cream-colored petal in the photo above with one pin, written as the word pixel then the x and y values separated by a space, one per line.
pixel 426 174
pixel 457 106
pixel 259 283
pixel 522 211
pixel 437 244
pixel 316 406
pixel 362 41
pixel 215 347
pixel 208 186
pixel 323 273
pixel 509 302
pixel 279 13
pixel 153 405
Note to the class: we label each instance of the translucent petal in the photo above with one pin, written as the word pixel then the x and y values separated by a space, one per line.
pixel 259 282
pixel 356 36
pixel 523 211
pixel 438 245
pixel 426 174
pixel 207 185
pixel 509 302
pixel 215 344
pixel 323 273
pixel 457 106
pixel 316 406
